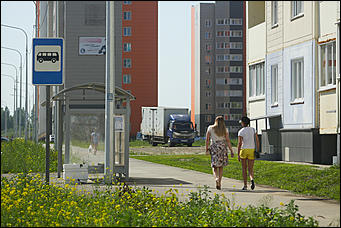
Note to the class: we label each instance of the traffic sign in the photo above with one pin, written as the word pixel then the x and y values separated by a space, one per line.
pixel 48 61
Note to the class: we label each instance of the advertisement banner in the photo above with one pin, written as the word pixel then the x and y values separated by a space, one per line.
pixel 91 45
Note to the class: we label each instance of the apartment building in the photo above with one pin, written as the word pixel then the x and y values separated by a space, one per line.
pixel 291 78
pixel 82 24
pixel 217 64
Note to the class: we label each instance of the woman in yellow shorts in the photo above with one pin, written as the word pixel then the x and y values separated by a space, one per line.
pixel 246 150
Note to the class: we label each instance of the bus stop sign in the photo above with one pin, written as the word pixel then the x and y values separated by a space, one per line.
pixel 48 61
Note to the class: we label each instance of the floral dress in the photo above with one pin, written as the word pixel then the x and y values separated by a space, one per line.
pixel 218 151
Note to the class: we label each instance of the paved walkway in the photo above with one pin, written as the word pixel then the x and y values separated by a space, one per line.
pixel 162 177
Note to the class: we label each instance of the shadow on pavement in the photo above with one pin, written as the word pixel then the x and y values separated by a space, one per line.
pixel 155 181
pixel 253 191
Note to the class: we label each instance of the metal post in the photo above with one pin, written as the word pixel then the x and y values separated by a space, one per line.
pixel 16 75
pixel 47 137
pixel 109 92
pixel 15 106
pixel 67 130
pixel 5 122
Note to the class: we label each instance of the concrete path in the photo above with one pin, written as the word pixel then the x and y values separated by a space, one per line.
pixel 161 178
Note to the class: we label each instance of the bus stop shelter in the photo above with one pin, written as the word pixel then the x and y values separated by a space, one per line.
pixel 80 105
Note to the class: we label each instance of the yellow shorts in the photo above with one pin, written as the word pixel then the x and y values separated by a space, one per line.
pixel 247 154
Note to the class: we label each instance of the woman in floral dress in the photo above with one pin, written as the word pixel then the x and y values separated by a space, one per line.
pixel 217 136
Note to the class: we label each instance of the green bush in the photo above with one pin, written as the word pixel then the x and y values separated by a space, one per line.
pixel 27 201
pixel 18 156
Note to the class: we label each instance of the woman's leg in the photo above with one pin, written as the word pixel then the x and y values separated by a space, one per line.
pixel 251 162
pixel 221 169
pixel 244 169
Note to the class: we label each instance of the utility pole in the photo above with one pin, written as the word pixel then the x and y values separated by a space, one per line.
pixel 109 92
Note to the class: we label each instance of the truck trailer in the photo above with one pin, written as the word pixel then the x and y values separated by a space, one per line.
pixel 167 125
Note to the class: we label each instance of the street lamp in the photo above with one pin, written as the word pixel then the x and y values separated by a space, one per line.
pixel 20 69
pixel 16 73
pixel 14 88
pixel 20 29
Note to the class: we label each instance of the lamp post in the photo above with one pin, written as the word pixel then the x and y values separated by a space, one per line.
pixel 14 104
pixel 35 125
pixel 26 92
pixel 16 95
pixel 20 69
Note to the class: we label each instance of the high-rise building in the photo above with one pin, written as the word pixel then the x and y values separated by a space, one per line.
pixel 82 24
pixel 217 64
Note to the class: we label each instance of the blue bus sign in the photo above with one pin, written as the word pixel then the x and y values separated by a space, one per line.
pixel 47 62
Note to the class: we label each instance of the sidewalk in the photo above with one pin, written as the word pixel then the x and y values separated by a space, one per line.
pixel 162 177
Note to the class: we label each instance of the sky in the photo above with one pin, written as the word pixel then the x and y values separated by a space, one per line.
pixel 174 64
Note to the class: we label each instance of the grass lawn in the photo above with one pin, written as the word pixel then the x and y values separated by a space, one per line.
pixel 302 179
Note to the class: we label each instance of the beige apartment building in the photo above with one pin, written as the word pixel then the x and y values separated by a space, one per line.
pixel 293 78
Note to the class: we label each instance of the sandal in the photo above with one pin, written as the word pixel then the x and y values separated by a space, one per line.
pixel 252 184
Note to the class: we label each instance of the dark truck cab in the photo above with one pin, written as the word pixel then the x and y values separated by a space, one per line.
pixel 180 130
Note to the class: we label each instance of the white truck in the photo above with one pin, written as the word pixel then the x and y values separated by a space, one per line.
pixel 167 125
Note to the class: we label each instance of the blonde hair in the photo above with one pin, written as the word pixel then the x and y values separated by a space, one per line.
pixel 219 127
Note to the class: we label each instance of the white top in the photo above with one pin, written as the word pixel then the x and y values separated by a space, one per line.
pixel 248 134
pixel 215 137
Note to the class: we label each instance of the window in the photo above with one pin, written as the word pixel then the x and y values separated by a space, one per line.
pixel 208 107
pixel 274 84
pixel 222 69
pixel 208 83
pixel 127 31
pixel 222 45
pixel 126 79
pixel 127 47
pixel 208 70
pixel 127 15
pixel 236 21
pixel 208 23
pixel 229 93
pixel 328 64
pixel 208 118
pixel 208 59
pixel 127 63
pixel 274 12
pixel 127 2
pixel 297 79
pixel 208 93
pixel 229 81
pixel 256 79
pixel 208 35
pixel 235 69
pixel 222 21
pixel 208 47
pixel 236 45
pixel 236 33
pixel 296 8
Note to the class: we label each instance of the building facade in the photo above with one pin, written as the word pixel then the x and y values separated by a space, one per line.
pixel 83 27
pixel 217 64
pixel 291 78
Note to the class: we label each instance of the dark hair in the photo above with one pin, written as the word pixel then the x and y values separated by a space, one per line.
pixel 245 120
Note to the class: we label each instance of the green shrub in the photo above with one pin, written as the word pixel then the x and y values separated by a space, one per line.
pixel 18 156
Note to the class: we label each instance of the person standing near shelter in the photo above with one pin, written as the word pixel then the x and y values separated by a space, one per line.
pixel 217 136
pixel 94 140
pixel 246 149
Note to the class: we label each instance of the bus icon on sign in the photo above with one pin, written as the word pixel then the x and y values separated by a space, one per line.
pixel 47 56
